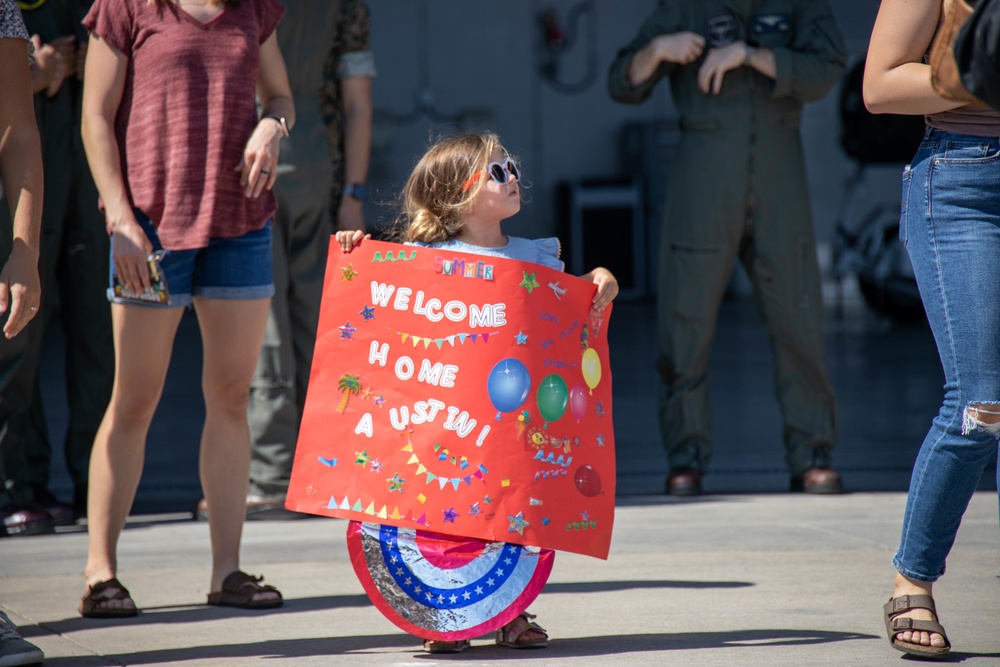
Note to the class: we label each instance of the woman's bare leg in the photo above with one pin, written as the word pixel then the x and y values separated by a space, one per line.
pixel 143 339
pixel 232 332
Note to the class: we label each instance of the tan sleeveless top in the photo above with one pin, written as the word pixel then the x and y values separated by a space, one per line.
pixel 979 121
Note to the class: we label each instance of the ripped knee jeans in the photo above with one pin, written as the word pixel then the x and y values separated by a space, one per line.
pixel 950 223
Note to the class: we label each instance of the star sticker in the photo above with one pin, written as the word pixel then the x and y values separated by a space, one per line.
pixel 517 523
pixel 450 515
pixel 474 509
pixel 361 458
pixel 368 313
pixel 396 483
pixel 600 440
pixel 348 273
pixel 347 331
pixel 379 401
pixel 366 393
pixel 528 282
pixel 585 516
pixel 376 465
pixel 599 409
pixel 521 338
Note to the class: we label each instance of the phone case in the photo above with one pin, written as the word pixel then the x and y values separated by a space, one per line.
pixel 157 292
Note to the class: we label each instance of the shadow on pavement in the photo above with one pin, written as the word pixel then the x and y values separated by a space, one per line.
pixel 564 648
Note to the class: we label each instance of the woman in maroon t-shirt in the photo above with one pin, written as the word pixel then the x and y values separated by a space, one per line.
pixel 185 169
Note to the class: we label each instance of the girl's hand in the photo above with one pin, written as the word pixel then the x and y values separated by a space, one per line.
pixel 130 250
pixel 607 287
pixel 349 239
pixel 259 167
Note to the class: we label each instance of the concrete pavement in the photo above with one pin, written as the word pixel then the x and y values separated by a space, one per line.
pixel 764 579
pixel 746 575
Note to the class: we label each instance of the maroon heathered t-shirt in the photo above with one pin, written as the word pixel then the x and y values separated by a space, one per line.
pixel 188 108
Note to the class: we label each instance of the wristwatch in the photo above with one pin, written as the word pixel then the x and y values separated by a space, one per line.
pixel 749 51
pixel 356 190
pixel 281 121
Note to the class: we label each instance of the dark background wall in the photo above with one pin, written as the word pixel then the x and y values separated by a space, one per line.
pixel 446 65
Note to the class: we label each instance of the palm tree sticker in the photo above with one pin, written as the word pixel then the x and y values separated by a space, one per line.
pixel 347 384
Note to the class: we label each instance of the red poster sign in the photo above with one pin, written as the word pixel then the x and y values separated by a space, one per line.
pixel 462 394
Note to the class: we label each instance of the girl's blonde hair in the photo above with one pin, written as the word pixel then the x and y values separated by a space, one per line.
pixel 443 186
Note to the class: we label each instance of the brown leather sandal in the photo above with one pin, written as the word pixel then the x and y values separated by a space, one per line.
pixel 894 625
pixel 239 589
pixel 95 602
pixel 438 646
pixel 513 634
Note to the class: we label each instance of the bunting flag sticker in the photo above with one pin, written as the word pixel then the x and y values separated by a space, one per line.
pixel 445 588
pixel 459 394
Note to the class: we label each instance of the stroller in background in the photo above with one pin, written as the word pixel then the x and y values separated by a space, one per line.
pixel 870 247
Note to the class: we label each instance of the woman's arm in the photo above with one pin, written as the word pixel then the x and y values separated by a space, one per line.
pixel 21 171
pixel 259 168
pixel 102 95
pixel 896 78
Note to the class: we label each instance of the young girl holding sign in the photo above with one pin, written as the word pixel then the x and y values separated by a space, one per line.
pixel 455 199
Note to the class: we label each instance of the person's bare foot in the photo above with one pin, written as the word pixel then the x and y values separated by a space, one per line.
pixel 907 586
pixel 523 632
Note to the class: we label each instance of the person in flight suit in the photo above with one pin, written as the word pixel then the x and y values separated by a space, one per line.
pixel 740 72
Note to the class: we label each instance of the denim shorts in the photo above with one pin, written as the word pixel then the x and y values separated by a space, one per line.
pixel 229 268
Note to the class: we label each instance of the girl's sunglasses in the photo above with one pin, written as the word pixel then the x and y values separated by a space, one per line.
pixel 498 171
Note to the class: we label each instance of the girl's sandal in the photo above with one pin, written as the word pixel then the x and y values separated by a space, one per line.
pixel 895 625
pixel 514 634
pixel 436 646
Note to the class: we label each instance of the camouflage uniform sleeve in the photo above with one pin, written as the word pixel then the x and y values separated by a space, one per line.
pixel 663 21
pixel 353 45
pixel 815 58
